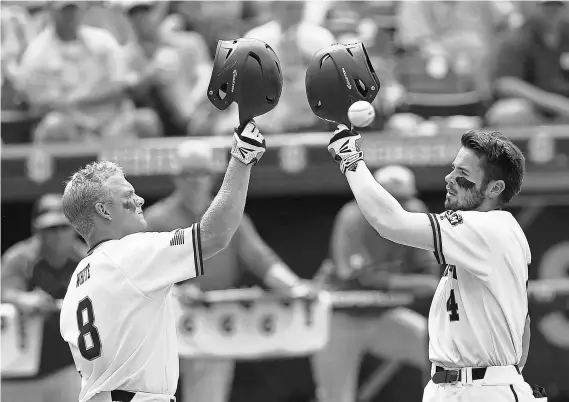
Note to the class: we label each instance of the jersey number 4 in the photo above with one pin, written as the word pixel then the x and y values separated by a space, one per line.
pixel 452 307
pixel 89 341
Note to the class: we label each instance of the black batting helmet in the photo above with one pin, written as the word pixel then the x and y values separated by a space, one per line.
pixel 337 76
pixel 248 72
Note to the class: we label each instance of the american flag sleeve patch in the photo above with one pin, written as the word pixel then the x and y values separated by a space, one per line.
pixel 177 238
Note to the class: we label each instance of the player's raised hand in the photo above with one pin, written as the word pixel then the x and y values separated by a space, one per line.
pixel 248 143
pixel 345 148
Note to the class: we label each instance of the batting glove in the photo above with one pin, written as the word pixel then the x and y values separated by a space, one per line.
pixel 248 143
pixel 345 148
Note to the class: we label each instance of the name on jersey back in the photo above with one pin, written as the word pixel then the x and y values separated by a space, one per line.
pixel 83 276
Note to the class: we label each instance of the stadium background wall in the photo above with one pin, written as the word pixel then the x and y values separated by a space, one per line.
pixel 292 224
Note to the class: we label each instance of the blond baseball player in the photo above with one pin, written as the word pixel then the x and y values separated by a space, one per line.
pixel 478 322
pixel 117 315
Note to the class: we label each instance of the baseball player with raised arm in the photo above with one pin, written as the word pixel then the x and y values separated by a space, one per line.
pixel 118 313
pixel 478 321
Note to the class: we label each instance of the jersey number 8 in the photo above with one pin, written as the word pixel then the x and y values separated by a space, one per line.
pixel 89 341
pixel 452 307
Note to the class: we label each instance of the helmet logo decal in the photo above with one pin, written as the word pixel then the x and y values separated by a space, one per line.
pixel 347 79
pixel 233 83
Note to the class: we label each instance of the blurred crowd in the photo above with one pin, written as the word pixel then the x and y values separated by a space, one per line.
pixel 122 69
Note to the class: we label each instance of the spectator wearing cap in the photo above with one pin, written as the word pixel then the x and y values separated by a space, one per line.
pixel 360 259
pixel 211 380
pixel 35 274
pixel 171 67
pixel 75 77
pixel 532 70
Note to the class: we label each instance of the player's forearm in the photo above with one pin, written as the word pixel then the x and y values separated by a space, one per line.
pixel 379 207
pixel 222 218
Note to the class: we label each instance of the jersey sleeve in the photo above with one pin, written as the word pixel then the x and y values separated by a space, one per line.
pixel 465 239
pixel 157 260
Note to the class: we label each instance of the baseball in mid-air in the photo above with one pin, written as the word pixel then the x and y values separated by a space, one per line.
pixel 361 114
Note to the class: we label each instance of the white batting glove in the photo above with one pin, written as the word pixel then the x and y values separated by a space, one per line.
pixel 345 148
pixel 248 144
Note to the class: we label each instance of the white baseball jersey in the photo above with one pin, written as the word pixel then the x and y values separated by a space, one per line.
pixel 118 313
pixel 479 309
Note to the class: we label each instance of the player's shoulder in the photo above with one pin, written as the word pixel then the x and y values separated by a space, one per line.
pixel 114 253
pixel 498 219
pixel 495 219
pixel 496 224
pixel 127 243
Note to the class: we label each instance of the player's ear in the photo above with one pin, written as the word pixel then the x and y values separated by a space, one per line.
pixel 495 188
pixel 103 211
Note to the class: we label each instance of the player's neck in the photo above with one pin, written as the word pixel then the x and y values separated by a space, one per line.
pixel 489 205
pixel 100 236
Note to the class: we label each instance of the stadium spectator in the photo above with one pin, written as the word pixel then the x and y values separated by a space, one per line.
pixel 295 41
pixel 448 44
pixel 532 70
pixel 35 274
pixel 211 380
pixel 172 67
pixel 215 20
pixel 450 28
pixel 18 29
pixel 74 76
pixel 362 260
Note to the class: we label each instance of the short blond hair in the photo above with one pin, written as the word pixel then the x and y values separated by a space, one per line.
pixel 83 190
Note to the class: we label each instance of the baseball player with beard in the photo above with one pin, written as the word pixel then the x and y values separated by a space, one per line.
pixel 478 322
